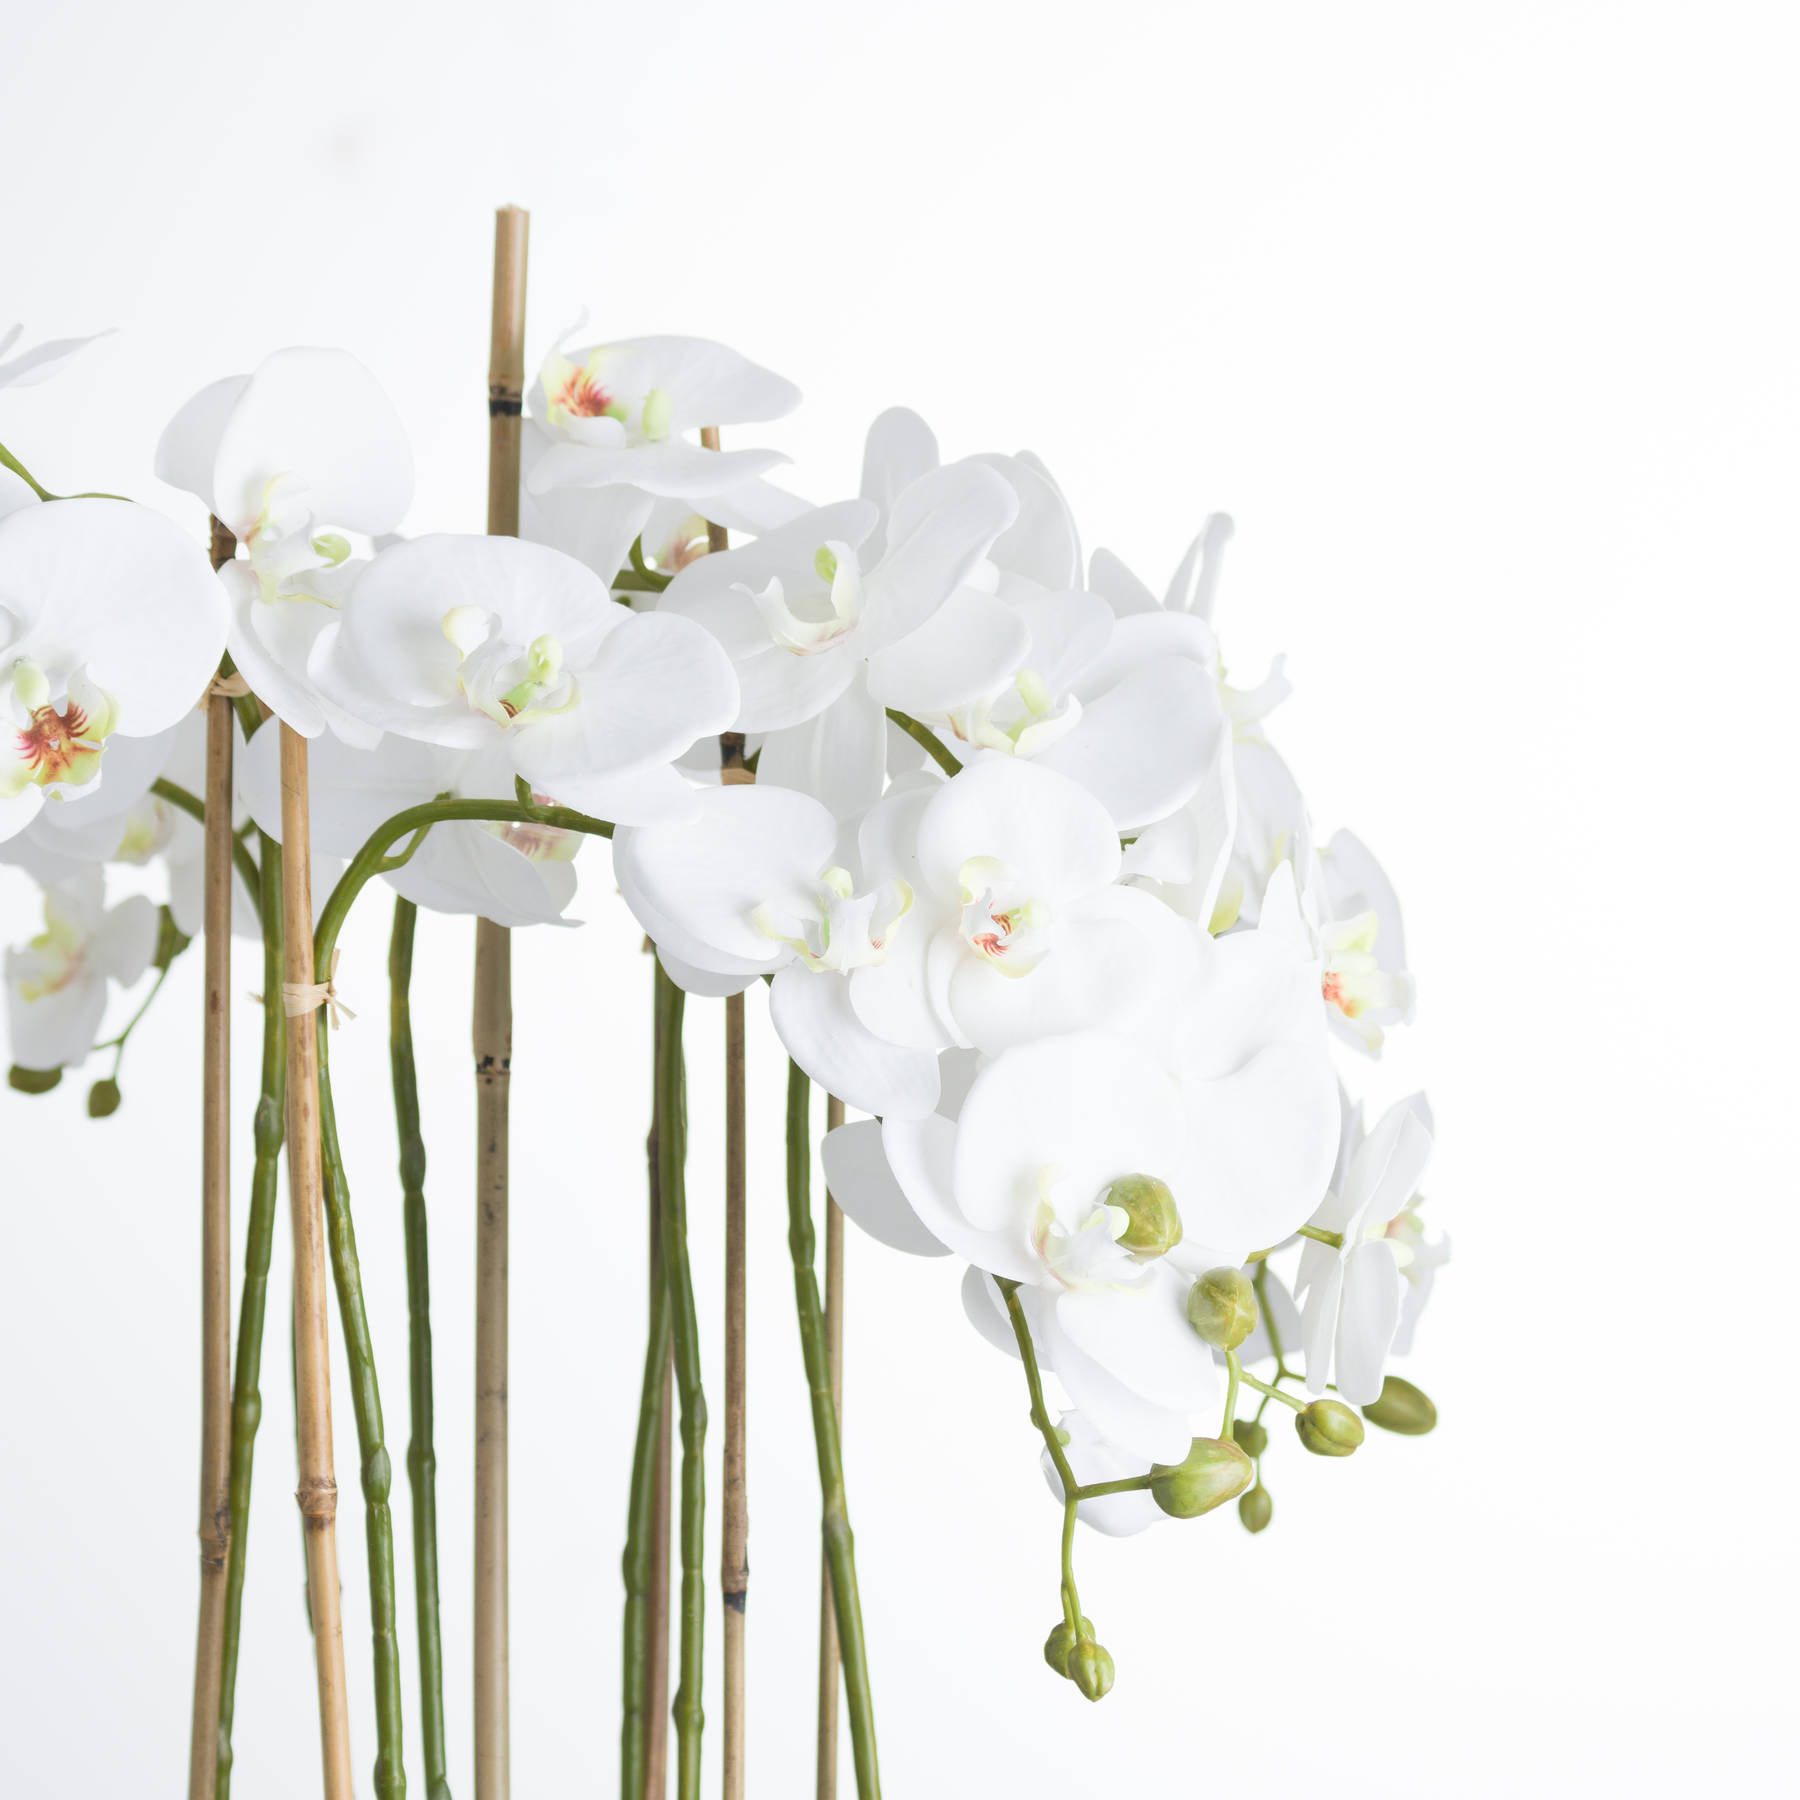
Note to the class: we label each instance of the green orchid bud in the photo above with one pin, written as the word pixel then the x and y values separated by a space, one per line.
pixel 1255 1509
pixel 32 1081
pixel 1402 1408
pixel 103 1099
pixel 1221 1307
pixel 1329 1428
pixel 1091 1669
pixel 1154 1227
pixel 1061 1641
pixel 1212 1472
pixel 1252 1438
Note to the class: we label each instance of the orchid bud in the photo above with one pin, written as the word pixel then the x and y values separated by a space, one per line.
pixel 1213 1470
pixel 1153 1225
pixel 1402 1408
pixel 1255 1509
pixel 1091 1669
pixel 1062 1641
pixel 1252 1437
pixel 1221 1307
pixel 103 1099
pixel 32 1081
pixel 1329 1428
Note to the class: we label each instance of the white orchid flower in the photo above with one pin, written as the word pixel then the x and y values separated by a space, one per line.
pixel 40 362
pixel 290 458
pixel 480 643
pixel 1351 1294
pixel 514 874
pixel 607 451
pixel 118 821
pixel 1366 983
pixel 110 624
pixel 57 984
pixel 835 615
pixel 1228 1099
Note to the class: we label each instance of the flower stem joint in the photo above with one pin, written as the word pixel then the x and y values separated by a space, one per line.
pixel 1213 1471
pixel 1329 1428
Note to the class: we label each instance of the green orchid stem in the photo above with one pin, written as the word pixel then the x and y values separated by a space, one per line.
pixel 9 461
pixel 373 859
pixel 377 1470
pixel 1126 1484
pixel 637 1565
pixel 246 1399
pixel 684 1334
pixel 1040 1417
pixel 1274 1393
pixel 840 1541
pixel 1334 1238
pixel 1260 1282
pixel 1234 1373
pixel 639 1559
pixel 195 808
pixel 421 1454
pixel 929 741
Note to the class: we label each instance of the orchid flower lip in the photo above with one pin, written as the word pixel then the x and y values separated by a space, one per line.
pixel 848 931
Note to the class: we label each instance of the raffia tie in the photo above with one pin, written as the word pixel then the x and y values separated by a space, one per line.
pixel 301 997
pixel 223 687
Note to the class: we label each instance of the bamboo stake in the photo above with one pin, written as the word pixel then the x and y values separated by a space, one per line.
pixel 215 1242
pixel 312 1354
pixel 734 1534
pixel 829 1657
pixel 493 1065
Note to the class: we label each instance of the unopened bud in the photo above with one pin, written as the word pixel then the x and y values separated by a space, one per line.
pixel 1154 1225
pixel 32 1081
pixel 1061 1641
pixel 1256 1509
pixel 1091 1669
pixel 1252 1437
pixel 1221 1307
pixel 1402 1408
pixel 1329 1428
pixel 1213 1470
pixel 103 1099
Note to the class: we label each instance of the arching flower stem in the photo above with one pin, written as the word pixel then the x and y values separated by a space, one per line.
pixel 928 741
pixel 195 808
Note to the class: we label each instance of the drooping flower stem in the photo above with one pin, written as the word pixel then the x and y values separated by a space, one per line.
pixel 684 1334
pixel 421 1454
pixel 215 1244
pixel 1040 1417
pixel 645 1728
pixel 377 1468
pixel 840 1543
pixel 195 808
pixel 492 1029
pixel 928 741
pixel 317 1490
pixel 830 1659
pixel 259 1236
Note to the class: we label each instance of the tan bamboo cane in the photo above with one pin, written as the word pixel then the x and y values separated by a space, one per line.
pixel 492 1034
pixel 312 1353
pixel 834 1343
pixel 215 1239
pixel 734 1530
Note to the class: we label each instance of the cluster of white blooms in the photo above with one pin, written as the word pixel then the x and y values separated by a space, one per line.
pixel 1029 884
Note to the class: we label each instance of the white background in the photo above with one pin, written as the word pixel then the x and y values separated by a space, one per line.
pixel 1481 321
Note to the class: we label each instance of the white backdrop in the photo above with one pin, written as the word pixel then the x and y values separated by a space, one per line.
pixel 1480 319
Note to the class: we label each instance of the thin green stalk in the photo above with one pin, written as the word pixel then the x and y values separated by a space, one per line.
pixel 195 808
pixel 377 1471
pixel 1126 1484
pixel 684 1333
pixel 929 741
pixel 1040 1417
pixel 1234 1374
pixel 635 1733
pixel 421 1456
pixel 840 1542
pixel 246 1400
